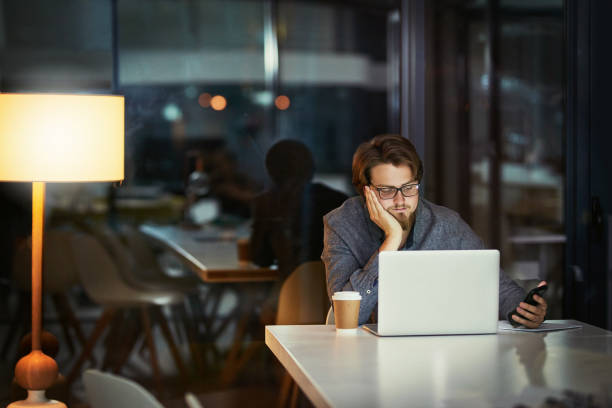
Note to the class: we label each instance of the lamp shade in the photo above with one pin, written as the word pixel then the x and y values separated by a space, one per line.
pixel 61 138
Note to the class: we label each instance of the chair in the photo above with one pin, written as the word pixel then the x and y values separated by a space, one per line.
pixel 106 390
pixel 302 300
pixel 59 276
pixel 101 279
pixel 303 296
pixel 146 272
pixel 330 319
pixel 146 269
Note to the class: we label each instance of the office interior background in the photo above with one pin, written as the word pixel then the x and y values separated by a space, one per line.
pixel 506 101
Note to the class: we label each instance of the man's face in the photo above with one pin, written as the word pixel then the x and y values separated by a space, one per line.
pixel 388 175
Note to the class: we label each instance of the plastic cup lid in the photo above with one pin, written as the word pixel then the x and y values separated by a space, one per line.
pixel 346 295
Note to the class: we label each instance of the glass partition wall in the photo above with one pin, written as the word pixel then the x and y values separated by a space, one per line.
pixel 224 80
pixel 211 85
pixel 495 144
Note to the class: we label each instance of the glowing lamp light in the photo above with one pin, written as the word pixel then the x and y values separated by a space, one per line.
pixel 55 138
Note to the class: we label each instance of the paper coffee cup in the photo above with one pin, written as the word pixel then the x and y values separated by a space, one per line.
pixel 346 310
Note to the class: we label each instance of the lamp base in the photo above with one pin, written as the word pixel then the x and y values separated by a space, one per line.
pixel 37 399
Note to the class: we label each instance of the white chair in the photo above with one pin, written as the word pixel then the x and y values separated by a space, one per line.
pixel 143 269
pixel 192 401
pixel 330 319
pixel 106 390
pixel 104 284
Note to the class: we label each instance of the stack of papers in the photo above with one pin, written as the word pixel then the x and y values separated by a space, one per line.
pixel 503 325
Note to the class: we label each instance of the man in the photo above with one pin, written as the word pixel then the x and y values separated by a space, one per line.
pixel 389 215
pixel 287 219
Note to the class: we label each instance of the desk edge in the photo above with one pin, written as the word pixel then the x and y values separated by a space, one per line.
pixel 295 370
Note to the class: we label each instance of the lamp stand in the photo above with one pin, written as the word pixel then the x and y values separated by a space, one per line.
pixel 36 371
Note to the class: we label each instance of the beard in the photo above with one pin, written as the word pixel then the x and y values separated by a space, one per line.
pixel 406 218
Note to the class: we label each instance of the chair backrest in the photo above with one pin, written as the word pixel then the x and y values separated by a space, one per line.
pixel 98 271
pixel 303 296
pixel 146 264
pixel 330 319
pixel 102 280
pixel 137 243
pixel 59 269
pixel 127 264
pixel 106 390
pixel 192 401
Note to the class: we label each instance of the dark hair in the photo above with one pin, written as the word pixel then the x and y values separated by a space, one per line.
pixel 384 149
pixel 290 162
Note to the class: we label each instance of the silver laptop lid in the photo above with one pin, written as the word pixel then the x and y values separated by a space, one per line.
pixel 438 292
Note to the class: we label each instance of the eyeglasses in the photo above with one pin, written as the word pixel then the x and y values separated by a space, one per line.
pixel 388 192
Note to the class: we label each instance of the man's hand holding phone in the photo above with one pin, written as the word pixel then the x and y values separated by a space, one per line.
pixel 532 311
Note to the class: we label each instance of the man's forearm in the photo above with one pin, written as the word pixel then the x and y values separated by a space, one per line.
pixel 346 272
pixel 391 243
pixel 362 280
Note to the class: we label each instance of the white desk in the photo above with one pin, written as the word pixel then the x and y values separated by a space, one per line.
pixel 431 371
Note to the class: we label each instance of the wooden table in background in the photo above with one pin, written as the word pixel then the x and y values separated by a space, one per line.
pixel 211 254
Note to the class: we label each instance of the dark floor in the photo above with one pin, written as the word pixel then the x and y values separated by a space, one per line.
pixel 256 385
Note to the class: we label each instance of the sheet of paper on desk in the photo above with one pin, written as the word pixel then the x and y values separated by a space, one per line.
pixel 503 325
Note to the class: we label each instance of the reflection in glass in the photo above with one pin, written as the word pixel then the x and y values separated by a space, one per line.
pixel 196 76
pixel 462 159
pixel 431 371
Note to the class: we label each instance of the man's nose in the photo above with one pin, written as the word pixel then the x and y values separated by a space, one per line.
pixel 399 198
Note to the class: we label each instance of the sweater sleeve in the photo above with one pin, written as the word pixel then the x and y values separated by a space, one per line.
pixel 344 272
pixel 510 293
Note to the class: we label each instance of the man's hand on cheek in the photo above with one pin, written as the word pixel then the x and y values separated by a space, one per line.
pixel 380 216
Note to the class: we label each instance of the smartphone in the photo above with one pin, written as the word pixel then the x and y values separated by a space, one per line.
pixel 540 290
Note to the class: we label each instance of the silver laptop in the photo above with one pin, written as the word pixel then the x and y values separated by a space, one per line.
pixel 437 292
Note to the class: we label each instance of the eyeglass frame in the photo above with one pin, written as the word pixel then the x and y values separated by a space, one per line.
pixel 409 184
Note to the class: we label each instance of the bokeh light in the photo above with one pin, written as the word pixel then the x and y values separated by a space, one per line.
pixel 218 102
pixel 204 99
pixel 172 112
pixel 282 102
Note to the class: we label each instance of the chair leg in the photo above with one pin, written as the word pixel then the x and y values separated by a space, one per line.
pixel 192 339
pixel 101 324
pixel 248 353
pixel 20 317
pixel 73 321
pixel 230 370
pixel 114 342
pixel 146 322
pixel 294 395
pixel 64 321
pixel 171 344
pixel 129 330
pixel 285 390
pixel 236 358
pixel 179 327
